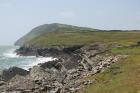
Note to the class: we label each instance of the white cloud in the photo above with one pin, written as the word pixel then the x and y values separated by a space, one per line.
pixel 68 14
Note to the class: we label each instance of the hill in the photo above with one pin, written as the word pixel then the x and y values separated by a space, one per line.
pixel 121 77
pixel 52 35
pixel 43 30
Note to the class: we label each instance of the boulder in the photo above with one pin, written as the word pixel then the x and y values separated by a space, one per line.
pixel 8 74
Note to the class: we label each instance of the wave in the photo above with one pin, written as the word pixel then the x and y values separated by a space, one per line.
pixel 10 54
pixel 10 58
pixel 38 61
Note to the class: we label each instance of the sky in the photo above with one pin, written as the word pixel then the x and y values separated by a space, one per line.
pixel 18 17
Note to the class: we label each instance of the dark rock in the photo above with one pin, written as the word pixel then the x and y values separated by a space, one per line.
pixel 50 64
pixel 26 51
pixel 138 43
pixel 7 74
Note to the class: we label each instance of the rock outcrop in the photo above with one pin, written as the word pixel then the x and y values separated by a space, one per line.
pixel 8 74
pixel 64 75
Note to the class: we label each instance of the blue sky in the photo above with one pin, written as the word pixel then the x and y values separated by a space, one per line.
pixel 17 17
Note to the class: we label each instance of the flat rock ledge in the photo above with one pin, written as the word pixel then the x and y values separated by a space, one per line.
pixel 64 75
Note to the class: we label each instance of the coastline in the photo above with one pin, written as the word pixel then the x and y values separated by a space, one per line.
pixel 9 58
pixel 62 75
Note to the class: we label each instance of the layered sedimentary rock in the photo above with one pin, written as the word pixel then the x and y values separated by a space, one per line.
pixel 64 75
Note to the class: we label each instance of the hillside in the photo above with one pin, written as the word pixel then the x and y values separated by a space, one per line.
pixel 119 76
pixel 51 35
pixel 43 30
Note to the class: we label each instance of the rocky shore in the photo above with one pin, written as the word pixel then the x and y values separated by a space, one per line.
pixel 64 75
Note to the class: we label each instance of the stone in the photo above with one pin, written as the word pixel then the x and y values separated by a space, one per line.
pixel 8 74
pixel 64 75
pixel 2 83
pixel 88 82
pixel 38 73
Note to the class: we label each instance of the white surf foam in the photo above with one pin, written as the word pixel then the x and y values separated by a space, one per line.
pixel 10 54
pixel 29 62
pixel 42 60
pixel 38 61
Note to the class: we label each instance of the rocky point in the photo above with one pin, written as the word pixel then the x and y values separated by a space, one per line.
pixel 64 75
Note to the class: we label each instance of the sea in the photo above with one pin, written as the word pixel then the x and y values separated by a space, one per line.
pixel 8 58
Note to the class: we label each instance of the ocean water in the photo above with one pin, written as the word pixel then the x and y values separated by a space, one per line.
pixel 8 58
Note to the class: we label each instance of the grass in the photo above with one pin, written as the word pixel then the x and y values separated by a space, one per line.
pixel 126 51
pixel 70 38
pixel 121 77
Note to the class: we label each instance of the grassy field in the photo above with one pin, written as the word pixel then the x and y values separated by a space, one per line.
pixel 70 38
pixel 121 77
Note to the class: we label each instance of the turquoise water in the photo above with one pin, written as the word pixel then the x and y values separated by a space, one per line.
pixel 8 58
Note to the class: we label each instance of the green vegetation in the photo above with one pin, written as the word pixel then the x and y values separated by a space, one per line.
pixel 66 35
pixel 121 77
pixel 68 38
pixel 48 29
pixel 126 51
